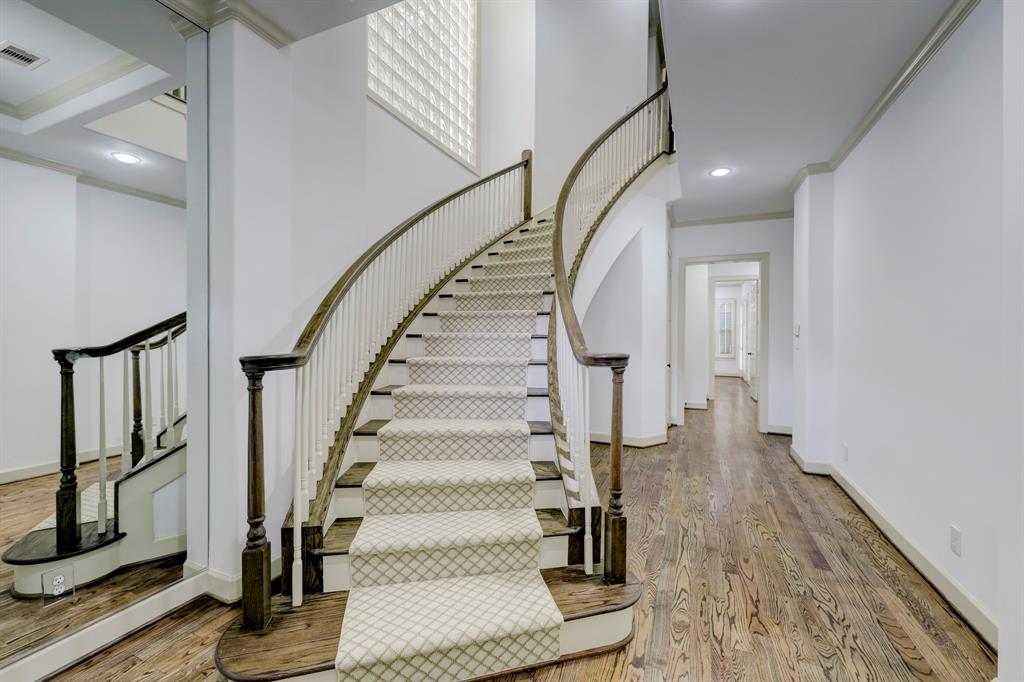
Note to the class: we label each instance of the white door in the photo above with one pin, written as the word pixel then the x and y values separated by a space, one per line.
pixel 751 342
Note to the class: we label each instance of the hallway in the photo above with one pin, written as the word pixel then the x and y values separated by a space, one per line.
pixel 751 569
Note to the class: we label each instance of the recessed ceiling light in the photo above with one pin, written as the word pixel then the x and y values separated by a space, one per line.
pixel 125 157
pixel 720 172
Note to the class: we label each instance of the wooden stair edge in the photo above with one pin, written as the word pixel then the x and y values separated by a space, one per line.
pixel 319 620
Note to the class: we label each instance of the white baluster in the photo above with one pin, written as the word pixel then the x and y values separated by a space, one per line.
pixel 162 408
pixel 148 434
pixel 101 510
pixel 166 386
pixel 126 438
pixel 299 511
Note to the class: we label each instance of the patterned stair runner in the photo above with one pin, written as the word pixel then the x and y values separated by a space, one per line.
pixel 444 566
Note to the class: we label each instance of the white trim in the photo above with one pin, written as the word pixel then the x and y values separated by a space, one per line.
pixel 208 13
pixel 950 20
pixel 36 470
pixel 86 179
pixel 736 375
pixel 631 441
pixel 107 72
pixel 779 429
pixel 83 642
pixel 809 467
pixel 131 191
pixel 695 406
pixel 228 588
pixel 957 595
pixel 724 220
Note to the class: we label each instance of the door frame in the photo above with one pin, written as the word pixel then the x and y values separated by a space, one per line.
pixel 713 281
pixel 763 319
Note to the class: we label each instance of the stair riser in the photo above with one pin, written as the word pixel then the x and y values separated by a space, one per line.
pixel 458 407
pixel 510 267
pixel 449 345
pixel 397 374
pixel 346 502
pixel 554 552
pixel 439 304
pixel 382 407
pixel 413 347
pixel 424 325
pixel 367 448
pixel 512 252
pixel 530 282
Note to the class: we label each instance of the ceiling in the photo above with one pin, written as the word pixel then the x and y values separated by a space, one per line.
pixel 303 18
pixel 766 87
pixel 97 68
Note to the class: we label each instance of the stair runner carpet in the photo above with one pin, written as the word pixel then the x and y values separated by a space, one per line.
pixel 445 565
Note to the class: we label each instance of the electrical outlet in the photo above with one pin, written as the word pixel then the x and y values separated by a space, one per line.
pixel 956 540
pixel 846 452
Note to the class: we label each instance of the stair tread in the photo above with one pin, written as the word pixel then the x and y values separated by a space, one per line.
pixel 472 335
pixel 405 361
pixel 387 533
pixel 420 427
pixel 373 426
pixel 355 475
pixel 339 536
pixel 442 473
pixel 478 312
pixel 402 622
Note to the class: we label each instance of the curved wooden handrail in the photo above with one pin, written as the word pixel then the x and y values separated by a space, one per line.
pixel 563 290
pixel 313 330
pixel 171 323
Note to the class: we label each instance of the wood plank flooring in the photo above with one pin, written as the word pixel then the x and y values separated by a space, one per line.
pixel 751 571
pixel 24 623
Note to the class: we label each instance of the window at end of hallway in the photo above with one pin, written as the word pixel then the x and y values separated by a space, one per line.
pixel 726 329
pixel 422 67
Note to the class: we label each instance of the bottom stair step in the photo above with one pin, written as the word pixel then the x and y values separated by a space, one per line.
pixel 450 629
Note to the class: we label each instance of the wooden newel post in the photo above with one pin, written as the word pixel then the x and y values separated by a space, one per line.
pixel 138 442
pixel 69 533
pixel 614 521
pixel 528 184
pixel 256 555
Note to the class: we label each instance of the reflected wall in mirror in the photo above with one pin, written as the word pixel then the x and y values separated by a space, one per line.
pixel 94 417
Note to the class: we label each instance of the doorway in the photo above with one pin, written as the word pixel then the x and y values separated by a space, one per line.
pixel 722 331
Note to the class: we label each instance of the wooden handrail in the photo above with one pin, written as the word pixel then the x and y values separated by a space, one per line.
pixel 314 329
pixel 67 527
pixel 563 290
pixel 139 337
pixel 614 518
pixel 322 417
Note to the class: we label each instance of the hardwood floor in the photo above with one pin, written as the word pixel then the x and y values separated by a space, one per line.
pixel 752 571
pixel 24 623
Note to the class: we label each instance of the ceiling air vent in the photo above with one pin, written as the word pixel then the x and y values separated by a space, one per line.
pixel 20 55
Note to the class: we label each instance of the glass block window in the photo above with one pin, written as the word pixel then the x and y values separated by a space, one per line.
pixel 422 67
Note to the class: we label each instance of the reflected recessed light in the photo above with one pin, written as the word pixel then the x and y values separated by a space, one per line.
pixel 720 172
pixel 125 157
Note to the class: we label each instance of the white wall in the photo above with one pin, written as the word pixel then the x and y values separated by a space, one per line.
pixel 591 69
pixel 716 242
pixel 80 266
pixel 696 338
pixel 37 313
pixel 813 300
pixel 918 255
pixel 1011 494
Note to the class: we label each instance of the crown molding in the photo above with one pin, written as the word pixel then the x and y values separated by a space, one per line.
pixel 86 179
pixel 947 24
pixel 809 169
pixel 752 217
pixel 30 160
pixel 131 191
pixel 210 13
pixel 107 72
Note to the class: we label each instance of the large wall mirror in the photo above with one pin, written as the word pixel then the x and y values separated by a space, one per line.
pixel 103 153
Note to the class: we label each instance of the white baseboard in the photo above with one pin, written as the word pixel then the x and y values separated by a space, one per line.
pixel 228 588
pixel 696 406
pixel 35 470
pixel 737 375
pixel 631 441
pixel 780 430
pixel 83 642
pixel 810 467
pixel 962 600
